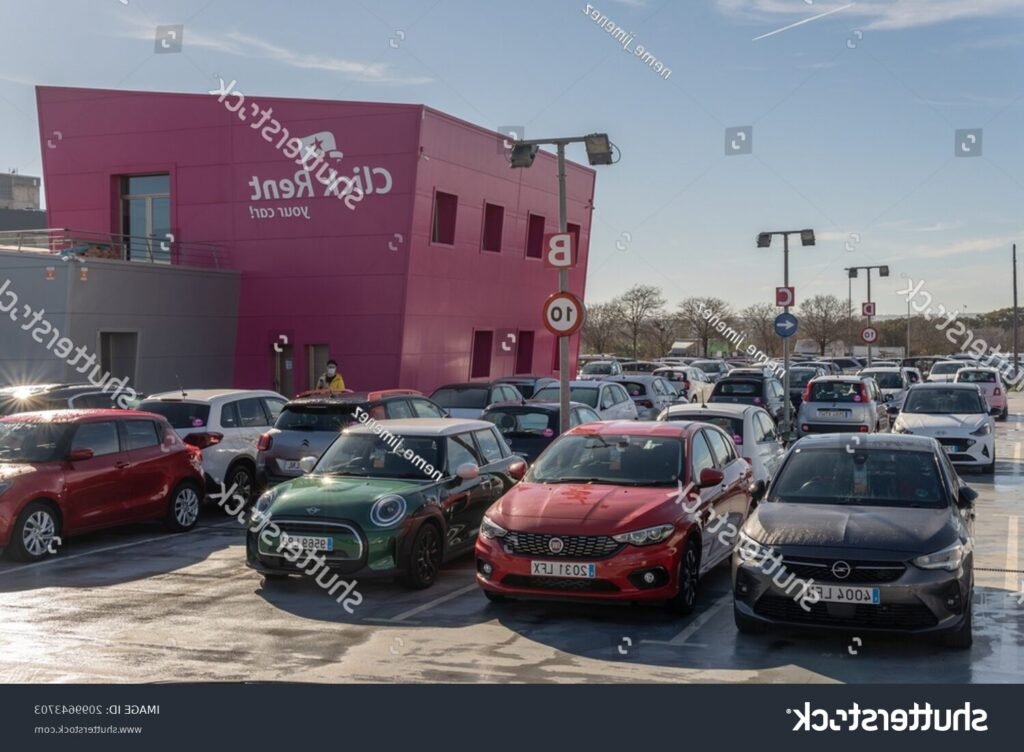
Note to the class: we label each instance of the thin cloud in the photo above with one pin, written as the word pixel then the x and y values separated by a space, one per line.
pixel 876 14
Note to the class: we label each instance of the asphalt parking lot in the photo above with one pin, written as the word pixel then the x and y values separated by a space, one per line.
pixel 139 605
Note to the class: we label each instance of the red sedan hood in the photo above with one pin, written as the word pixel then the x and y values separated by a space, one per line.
pixel 583 509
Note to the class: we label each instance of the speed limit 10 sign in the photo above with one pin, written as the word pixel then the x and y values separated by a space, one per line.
pixel 563 314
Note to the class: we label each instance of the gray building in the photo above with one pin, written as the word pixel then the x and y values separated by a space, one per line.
pixel 19 192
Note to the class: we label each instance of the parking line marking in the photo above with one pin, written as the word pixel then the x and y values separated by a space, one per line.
pixel 1016 458
pixel 436 602
pixel 1010 578
pixel 698 623
pixel 59 559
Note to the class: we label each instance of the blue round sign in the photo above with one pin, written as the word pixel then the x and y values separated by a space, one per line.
pixel 785 324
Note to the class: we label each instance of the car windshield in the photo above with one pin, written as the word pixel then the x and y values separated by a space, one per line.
pixel 976 377
pixel 179 414
pixel 382 456
pixel 30 442
pixel 800 376
pixel 707 366
pixel 598 368
pixel 886 379
pixel 737 389
pixel 943 402
pixel 946 368
pixel 864 476
pixel 331 418
pixel 836 391
pixel 732 426
pixel 586 395
pixel 524 422
pixel 474 398
pixel 613 459
pixel 525 387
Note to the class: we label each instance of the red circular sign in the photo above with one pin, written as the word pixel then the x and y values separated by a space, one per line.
pixel 563 314
pixel 869 335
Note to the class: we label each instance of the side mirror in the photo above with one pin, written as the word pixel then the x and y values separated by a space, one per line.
pixel 710 476
pixel 966 497
pixel 757 490
pixel 306 464
pixel 517 470
pixel 78 455
pixel 467 471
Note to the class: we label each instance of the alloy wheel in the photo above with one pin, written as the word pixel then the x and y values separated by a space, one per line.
pixel 38 532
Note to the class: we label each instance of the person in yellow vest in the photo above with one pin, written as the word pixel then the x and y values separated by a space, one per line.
pixel 331 379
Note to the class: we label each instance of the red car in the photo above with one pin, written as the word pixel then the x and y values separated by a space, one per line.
pixel 607 513
pixel 65 472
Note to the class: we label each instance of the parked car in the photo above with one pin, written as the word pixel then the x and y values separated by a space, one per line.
pixel 469 400
pixel 751 427
pixel 67 472
pixel 388 506
pixel 639 366
pixel 991 384
pixel 798 378
pixel 891 381
pixel 691 384
pixel 714 369
pixel 912 375
pixel 610 400
pixel 527 385
pixel 650 393
pixel 752 388
pixel 876 535
pixel 596 516
pixel 310 422
pixel 847 365
pixel 837 404
pixel 35 397
pixel 957 416
pixel 529 427
pixel 225 425
pixel 923 362
pixel 831 368
pixel 599 369
pixel 944 371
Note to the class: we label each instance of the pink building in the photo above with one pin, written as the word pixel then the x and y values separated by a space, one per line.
pixel 391 237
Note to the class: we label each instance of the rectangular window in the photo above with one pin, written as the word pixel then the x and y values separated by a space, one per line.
pixel 574 230
pixel 118 354
pixel 140 434
pixel 146 217
pixel 534 236
pixel 480 363
pixel 524 352
pixel 494 220
pixel 316 363
pixel 445 206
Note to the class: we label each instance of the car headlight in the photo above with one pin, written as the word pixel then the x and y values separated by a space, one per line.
pixel 645 537
pixel 983 430
pixel 387 510
pixel 949 558
pixel 264 501
pixel 489 529
pixel 4 485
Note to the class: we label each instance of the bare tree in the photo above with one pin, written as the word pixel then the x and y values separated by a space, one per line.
pixel 639 304
pixel 661 333
pixel 700 318
pixel 759 324
pixel 823 318
pixel 602 328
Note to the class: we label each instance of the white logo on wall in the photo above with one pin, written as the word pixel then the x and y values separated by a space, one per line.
pixel 322 150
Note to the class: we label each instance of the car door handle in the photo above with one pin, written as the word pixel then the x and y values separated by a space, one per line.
pixel 122 465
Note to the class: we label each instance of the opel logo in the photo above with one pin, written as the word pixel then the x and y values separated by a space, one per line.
pixel 555 545
pixel 312 510
pixel 841 570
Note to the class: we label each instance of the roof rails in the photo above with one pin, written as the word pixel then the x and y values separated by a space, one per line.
pixel 381 393
pixel 324 393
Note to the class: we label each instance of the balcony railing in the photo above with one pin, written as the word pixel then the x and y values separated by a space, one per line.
pixel 87 244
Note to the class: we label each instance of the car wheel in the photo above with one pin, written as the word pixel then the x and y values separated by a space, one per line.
pixel 962 637
pixel 242 479
pixel 425 557
pixel 35 533
pixel 494 597
pixel 183 508
pixel 990 468
pixel 745 624
pixel 1004 414
pixel 689 579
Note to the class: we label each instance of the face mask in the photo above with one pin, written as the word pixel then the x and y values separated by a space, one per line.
pixel 331 371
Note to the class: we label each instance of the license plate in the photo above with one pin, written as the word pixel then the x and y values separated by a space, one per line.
pixel 833 413
pixel 845 594
pixel 948 449
pixel 291 464
pixel 563 569
pixel 309 542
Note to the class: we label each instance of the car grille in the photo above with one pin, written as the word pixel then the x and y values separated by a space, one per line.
pixel 562 584
pixel 573 546
pixel 959 445
pixel 820 570
pixel 896 616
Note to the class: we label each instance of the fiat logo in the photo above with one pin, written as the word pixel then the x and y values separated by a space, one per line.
pixel 841 570
pixel 555 545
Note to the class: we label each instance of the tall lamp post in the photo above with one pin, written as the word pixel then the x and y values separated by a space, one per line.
pixel 883 271
pixel 599 152
pixel 764 240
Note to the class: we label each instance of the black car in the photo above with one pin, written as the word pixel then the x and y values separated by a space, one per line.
pixel 56 397
pixel 860 532
pixel 529 427
pixel 469 400
pixel 798 378
pixel 752 387
pixel 527 385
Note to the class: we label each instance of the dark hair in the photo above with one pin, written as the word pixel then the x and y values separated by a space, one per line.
pixel 332 362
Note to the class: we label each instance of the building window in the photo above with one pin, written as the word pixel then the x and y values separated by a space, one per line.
pixel 445 206
pixel 119 354
pixel 535 236
pixel 524 352
pixel 316 363
pixel 146 217
pixel 494 219
pixel 480 363
pixel 574 230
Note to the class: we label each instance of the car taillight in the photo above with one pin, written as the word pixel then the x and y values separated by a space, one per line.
pixel 203 439
pixel 997 392
pixel 806 396
pixel 862 429
pixel 196 452
pixel 865 397
pixel 266 441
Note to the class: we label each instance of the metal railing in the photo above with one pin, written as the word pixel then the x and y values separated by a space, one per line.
pixel 88 244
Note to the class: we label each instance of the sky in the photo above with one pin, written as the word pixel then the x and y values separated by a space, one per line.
pixel 853 107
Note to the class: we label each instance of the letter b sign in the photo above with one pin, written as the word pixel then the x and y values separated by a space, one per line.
pixel 559 250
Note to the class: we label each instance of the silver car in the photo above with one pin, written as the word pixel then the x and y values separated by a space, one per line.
pixel 650 393
pixel 837 404
pixel 609 399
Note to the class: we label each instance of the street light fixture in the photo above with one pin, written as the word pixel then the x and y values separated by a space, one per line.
pixel 883 271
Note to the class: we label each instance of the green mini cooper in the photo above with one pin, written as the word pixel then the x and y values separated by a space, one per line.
pixel 394 498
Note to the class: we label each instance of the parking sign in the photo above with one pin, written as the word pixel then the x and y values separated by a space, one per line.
pixel 559 250
pixel 867 310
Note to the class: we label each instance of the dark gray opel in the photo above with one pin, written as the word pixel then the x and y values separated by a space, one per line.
pixel 874 532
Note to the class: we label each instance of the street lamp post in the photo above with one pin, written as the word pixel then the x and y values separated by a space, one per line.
pixel 883 271
pixel 764 240
pixel 599 151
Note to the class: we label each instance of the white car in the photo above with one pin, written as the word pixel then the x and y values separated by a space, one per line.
pixel 752 429
pixel 892 381
pixel 611 400
pixel 944 371
pixel 692 383
pixel 599 369
pixel 991 383
pixel 957 416
pixel 225 424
